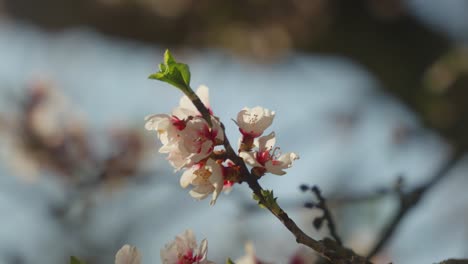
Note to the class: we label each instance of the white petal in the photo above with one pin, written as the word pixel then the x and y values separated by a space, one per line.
pixel 206 149
pixel 249 158
pixel 184 113
pixel 274 169
pixel 186 105
pixel 266 117
pixel 187 178
pixel 267 142
pixel 216 179
pixel 203 93
pixel 254 121
pixel 218 188
pixel 177 159
pixel 203 249
pixel 288 158
pixel 249 257
pixel 128 255
pixel 189 239
pixel 157 122
pixel 283 162
pixel 167 147
pixel 200 192
pixel 240 116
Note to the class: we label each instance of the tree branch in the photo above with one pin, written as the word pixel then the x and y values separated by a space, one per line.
pixel 326 248
pixel 326 214
pixel 411 199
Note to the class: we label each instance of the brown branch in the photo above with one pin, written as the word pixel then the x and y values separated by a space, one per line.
pixel 201 108
pixel 327 248
pixel 455 261
pixel 410 199
pixel 322 204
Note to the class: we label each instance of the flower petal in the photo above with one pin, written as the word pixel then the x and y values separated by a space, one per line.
pixel 216 179
pixel 157 122
pixel 200 192
pixel 274 169
pixel 203 249
pixel 249 158
pixel 186 107
pixel 253 122
pixel 267 142
pixel 288 158
pixel 187 178
pixel 203 93
pixel 128 255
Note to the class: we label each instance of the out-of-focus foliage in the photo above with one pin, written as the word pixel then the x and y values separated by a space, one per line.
pixel 381 35
pixel 43 135
pixel 46 134
pixel 446 106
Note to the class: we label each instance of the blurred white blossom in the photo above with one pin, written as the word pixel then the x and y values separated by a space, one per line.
pixel 183 250
pixel 128 255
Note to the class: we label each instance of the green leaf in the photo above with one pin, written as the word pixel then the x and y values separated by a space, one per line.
pixel 229 261
pixel 75 260
pixel 174 73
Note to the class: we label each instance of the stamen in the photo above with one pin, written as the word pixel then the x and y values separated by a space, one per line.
pixel 276 153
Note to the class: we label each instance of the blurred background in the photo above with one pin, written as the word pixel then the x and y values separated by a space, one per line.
pixel 366 92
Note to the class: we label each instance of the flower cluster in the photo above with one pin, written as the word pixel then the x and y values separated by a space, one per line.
pixel 185 135
pixel 189 141
pixel 195 145
pixel 260 152
pixel 183 250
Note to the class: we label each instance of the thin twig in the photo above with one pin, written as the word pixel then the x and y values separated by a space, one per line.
pixel 411 199
pixel 322 204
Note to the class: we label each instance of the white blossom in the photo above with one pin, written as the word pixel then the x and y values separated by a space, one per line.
pixel 206 178
pixel 186 107
pixel 249 257
pixel 253 122
pixel 199 140
pixel 268 157
pixel 183 250
pixel 128 255
pixel 168 128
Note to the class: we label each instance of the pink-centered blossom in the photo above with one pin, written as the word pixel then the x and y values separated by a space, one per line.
pixel 199 140
pixel 253 122
pixel 168 128
pixel 206 177
pixel 185 136
pixel 183 250
pixel 267 157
